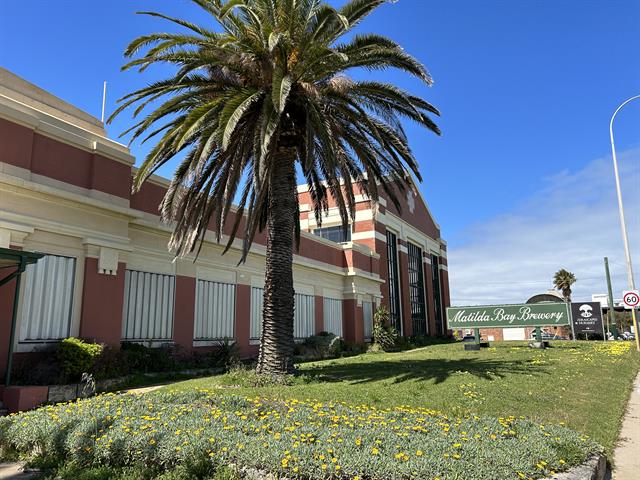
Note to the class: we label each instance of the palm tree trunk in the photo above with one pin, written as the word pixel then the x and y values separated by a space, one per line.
pixel 276 346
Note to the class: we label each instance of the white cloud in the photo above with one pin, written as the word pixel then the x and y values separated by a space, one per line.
pixel 572 223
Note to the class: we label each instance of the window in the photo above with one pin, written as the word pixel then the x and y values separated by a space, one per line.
pixel 48 299
pixel 367 316
pixel 335 234
pixel 148 306
pixel 257 302
pixel 437 299
pixel 215 310
pixel 392 281
pixel 333 316
pixel 303 317
pixel 416 291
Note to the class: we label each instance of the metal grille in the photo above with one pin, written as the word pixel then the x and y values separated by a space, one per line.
pixel 148 306
pixel 392 281
pixel 416 291
pixel 303 318
pixel 215 310
pixel 367 316
pixel 333 316
pixel 437 302
pixel 48 299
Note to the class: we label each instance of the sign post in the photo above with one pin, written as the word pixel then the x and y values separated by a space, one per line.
pixel 631 299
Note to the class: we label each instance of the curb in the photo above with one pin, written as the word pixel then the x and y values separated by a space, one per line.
pixel 594 468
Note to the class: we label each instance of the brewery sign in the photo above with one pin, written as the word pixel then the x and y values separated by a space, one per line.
pixel 505 316
pixel 587 318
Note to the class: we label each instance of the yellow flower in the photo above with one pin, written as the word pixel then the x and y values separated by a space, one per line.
pixel 419 453
pixel 375 451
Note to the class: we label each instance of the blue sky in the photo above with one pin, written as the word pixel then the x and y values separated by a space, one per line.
pixel 526 90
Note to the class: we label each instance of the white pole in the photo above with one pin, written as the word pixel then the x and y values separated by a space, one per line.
pixel 104 99
pixel 625 238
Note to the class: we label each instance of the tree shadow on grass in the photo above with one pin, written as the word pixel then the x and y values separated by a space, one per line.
pixel 437 370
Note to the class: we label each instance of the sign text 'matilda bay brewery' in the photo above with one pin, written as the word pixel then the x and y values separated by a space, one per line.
pixel 519 315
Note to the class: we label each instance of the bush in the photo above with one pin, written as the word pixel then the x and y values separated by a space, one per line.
pixel 112 363
pixel 383 335
pixel 197 432
pixel 146 359
pixel 77 357
pixel 322 345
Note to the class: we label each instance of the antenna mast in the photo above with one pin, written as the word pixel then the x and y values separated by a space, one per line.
pixel 104 99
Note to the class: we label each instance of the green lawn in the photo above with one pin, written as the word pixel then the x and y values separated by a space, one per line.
pixel 583 384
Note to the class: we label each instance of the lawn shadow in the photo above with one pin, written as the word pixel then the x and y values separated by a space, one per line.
pixel 437 370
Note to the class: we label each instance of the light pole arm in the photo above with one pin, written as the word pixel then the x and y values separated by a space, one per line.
pixel 623 225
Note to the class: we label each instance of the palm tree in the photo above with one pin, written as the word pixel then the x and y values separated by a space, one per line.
pixel 249 102
pixel 562 280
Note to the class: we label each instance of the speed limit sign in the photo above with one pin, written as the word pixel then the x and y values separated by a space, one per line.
pixel 631 298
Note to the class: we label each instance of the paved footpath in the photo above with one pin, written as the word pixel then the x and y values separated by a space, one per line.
pixel 13 471
pixel 627 453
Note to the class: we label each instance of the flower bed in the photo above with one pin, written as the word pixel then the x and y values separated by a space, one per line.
pixel 296 439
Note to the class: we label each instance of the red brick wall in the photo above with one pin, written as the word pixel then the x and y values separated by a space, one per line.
pixel 352 321
pixel 184 312
pixel 102 304
pixel 243 319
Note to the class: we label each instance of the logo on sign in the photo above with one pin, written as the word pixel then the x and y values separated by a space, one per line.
pixel 586 311
pixel 587 318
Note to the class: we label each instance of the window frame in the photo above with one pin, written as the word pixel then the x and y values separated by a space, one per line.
pixel 335 228
pixel 393 280
pixel 417 300
pixel 28 344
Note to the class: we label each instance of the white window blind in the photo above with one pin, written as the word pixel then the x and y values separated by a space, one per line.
pixel 303 318
pixel 215 310
pixel 148 306
pixel 48 299
pixel 367 315
pixel 257 301
pixel 333 316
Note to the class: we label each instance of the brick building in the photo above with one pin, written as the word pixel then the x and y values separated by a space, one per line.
pixel 65 191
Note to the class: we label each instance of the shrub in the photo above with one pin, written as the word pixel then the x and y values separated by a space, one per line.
pixel 77 357
pixel 147 359
pixel 225 354
pixel 197 432
pixel 383 334
pixel 323 345
pixel 112 363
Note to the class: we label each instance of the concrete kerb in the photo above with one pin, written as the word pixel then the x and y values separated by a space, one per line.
pixel 594 468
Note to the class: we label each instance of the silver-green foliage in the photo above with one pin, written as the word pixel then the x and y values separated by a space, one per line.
pixel 291 438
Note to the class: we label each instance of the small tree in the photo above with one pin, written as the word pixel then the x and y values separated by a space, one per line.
pixel 562 280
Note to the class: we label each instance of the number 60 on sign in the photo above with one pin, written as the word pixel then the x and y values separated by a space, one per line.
pixel 631 298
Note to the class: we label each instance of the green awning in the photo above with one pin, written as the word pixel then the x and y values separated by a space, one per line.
pixel 17 260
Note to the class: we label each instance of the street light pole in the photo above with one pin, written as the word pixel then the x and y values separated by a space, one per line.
pixel 623 225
